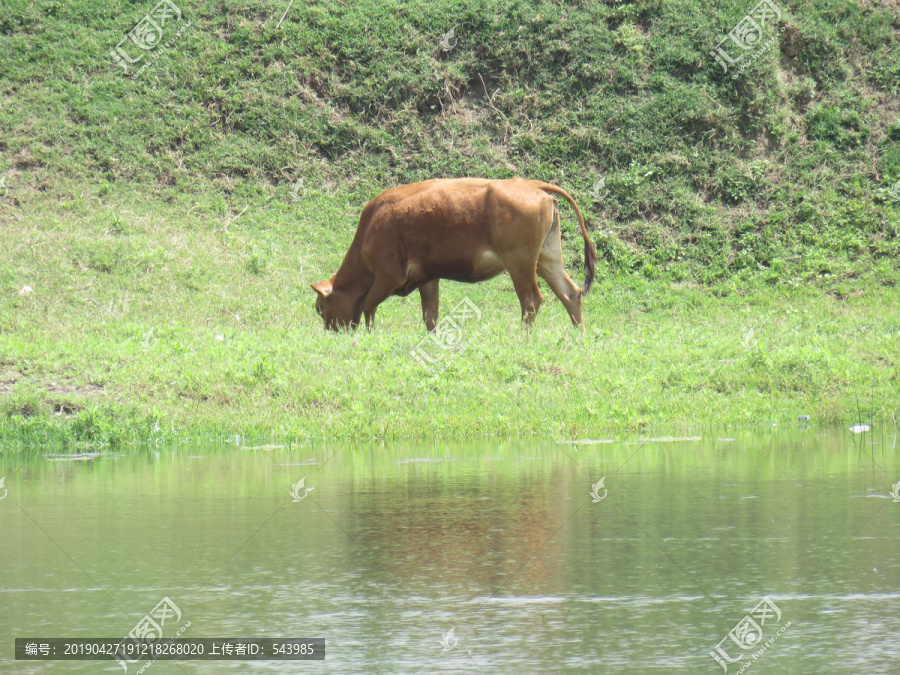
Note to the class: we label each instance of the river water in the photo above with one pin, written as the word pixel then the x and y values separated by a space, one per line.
pixel 623 555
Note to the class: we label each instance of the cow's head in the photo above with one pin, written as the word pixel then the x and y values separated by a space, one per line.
pixel 338 309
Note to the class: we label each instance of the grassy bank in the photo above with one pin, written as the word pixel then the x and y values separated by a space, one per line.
pixel 166 327
pixel 169 219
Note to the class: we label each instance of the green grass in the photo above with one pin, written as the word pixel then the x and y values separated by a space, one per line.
pixel 783 172
pixel 147 324
pixel 152 215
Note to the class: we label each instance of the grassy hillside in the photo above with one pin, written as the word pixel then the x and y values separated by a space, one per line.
pixel 170 216
pixel 784 171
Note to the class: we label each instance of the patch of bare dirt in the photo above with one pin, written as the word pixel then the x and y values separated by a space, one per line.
pixel 892 5
pixel 10 379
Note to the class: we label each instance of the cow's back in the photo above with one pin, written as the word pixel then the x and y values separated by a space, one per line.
pixel 445 207
pixel 454 228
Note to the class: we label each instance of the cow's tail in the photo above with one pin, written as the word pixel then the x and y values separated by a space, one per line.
pixel 590 253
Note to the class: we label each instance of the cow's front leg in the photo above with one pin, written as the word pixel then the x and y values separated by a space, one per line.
pixel 383 287
pixel 430 293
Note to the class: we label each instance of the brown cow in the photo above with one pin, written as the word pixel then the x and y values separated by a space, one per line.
pixel 464 229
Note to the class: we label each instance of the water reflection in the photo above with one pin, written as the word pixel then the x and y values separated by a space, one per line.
pixel 502 542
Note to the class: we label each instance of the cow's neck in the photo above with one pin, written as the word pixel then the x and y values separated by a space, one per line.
pixel 352 277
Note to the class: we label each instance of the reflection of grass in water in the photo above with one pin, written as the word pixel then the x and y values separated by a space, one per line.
pixel 422 536
pixel 198 467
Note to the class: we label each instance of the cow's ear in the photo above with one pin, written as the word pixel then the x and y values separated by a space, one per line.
pixel 323 288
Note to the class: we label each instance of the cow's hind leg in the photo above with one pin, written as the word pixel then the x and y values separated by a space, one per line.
pixel 551 269
pixel 525 283
pixel 430 293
